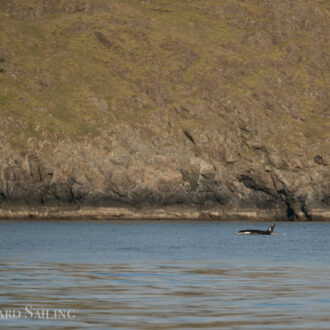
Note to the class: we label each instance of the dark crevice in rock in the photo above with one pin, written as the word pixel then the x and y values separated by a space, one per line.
pixel 251 183
pixel 293 205
pixel 39 173
pixel 2 61
pixel 102 39
pixel 72 196
pixel 287 197
pixel 189 136
pixel 320 160
pixel 326 200
pixel 305 210
pixel 291 213
pixel 3 196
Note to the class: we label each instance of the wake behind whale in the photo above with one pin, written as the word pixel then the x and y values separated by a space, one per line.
pixel 269 231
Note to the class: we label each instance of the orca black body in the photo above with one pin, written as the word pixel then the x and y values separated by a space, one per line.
pixel 269 231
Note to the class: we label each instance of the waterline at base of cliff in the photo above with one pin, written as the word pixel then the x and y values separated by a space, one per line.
pixel 176 212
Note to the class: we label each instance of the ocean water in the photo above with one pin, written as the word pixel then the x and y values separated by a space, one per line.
pixel 164 275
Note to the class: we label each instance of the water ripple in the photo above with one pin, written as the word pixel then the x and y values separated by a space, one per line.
pixel 171 295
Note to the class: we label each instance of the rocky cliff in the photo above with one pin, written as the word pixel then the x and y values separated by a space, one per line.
pixel 211 106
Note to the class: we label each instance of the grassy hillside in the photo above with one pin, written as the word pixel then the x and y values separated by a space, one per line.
pixel 74 68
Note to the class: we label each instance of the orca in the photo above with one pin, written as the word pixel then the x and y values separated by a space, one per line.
pixel 269 231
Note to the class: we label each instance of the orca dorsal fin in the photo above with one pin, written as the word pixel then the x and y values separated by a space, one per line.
pixel 271 228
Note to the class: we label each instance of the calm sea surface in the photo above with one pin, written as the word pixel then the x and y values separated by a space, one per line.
pixel 164 275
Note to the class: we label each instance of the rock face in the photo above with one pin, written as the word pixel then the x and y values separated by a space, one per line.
pixel 214 107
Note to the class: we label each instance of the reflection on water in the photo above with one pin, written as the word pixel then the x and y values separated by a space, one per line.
pixel 171 293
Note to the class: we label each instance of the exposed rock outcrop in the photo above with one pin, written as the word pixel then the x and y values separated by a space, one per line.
pixel 196 109
pixel 84 175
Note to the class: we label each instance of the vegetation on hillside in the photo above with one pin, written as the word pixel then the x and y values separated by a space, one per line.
pixel 74 68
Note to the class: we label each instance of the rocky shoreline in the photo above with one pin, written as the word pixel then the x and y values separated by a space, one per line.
pixel 149 213
pixel 71 181
pixel 164 110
